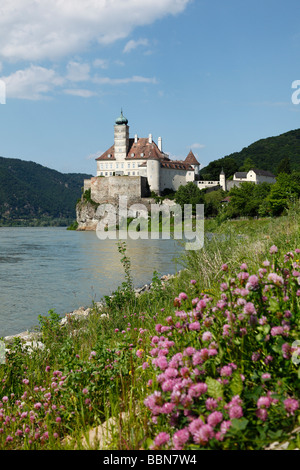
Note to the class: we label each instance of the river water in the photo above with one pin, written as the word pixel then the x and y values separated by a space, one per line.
pixel 53 268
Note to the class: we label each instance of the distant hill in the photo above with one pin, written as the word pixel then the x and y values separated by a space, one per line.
pixel 30 191
pixel 265 154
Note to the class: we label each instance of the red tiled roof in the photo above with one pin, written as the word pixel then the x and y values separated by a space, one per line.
pixel 142 149
pixel 191 159
pixel 105 155
pixel 177 165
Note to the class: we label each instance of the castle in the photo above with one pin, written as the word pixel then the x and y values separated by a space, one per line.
pixel 135 167
pixel 142 157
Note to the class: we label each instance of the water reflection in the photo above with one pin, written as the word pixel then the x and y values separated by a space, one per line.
pixel 44 268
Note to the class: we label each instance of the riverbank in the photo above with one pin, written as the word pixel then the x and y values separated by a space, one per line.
pixel 203 361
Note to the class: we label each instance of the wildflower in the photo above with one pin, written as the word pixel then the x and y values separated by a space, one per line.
pixel 207 336
pixel 266 376
pixel 291 405
pixel 226 371
pixel 182 296
pixel 198 389
pixel 235 411
pixel 203 434
pixel 262 414
pixel 85 391
pixel 264 402
pixel 180 438
pixel 214 418
pixel 5 399
pixel 195 326
pixel 161 439
pixel 273 249
pixel 224 267
pixel 253 283
pixel 211 404
pixel 140 353
pixel 277 280
pixel 255 356
pixel 249 308
pixel 193 281
pixel 277 330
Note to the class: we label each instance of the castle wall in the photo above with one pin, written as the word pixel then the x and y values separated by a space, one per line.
pixel 109 189
pixel 172 179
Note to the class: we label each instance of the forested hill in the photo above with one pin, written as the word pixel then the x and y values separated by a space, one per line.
pixel 271 154
pixel 30 191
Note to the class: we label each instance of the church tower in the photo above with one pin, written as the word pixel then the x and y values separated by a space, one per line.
pixel 121 138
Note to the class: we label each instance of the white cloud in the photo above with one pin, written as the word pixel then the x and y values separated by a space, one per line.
pixel 196 145
pixel 37 83
pixel 100 63
pixel 122 81
pixel 132 44
pixel 77 72
pixel 79 92
pixel 33 83
pixel 39 29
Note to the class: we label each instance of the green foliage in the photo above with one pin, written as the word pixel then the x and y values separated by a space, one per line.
pixel 124 295
pixel 272 154
pixel 189 194
pixel 33 194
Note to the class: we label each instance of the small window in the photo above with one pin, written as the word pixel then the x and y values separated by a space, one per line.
pixel 132 154
pixel 142 154
pixel 106 173
pixel 128 165
pixel 128 173
pixel 110 173
pixel 133 173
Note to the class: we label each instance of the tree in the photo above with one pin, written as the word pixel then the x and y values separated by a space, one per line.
pixel 189 194
pixel 248 164
pixel 284 166
pixel 285 190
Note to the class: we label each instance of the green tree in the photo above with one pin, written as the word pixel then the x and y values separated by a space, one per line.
pixel 212 202
pixel 248 164
pixel 285 190
pixel 189 194
pixel 284 166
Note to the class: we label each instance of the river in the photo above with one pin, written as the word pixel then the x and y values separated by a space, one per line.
pixel 43 268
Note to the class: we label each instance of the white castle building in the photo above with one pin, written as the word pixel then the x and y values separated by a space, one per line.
pixel 141 156
pixel 252 176
pixel 146 166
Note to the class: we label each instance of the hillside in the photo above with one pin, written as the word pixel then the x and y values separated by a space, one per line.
pixel 265 154
pixel 30 191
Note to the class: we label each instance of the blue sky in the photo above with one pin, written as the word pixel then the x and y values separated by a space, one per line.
pixel 212 76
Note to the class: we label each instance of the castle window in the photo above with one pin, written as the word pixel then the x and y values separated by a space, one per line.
pixel 122 165
pixel 132 154
pixel 133 165
pixel 128 173
pixel 106 173
pixel 110 166
pixel 133 173
pixel 110 173
pixel 142 154
pixel 106 166
pixel 117 165
pixel 128 165
pixel 101 166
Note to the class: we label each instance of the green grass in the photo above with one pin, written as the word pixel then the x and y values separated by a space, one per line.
pixel 92 369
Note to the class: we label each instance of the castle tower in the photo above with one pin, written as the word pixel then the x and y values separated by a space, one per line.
pixel 153 175
pixel 223 180
pixel 121 138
